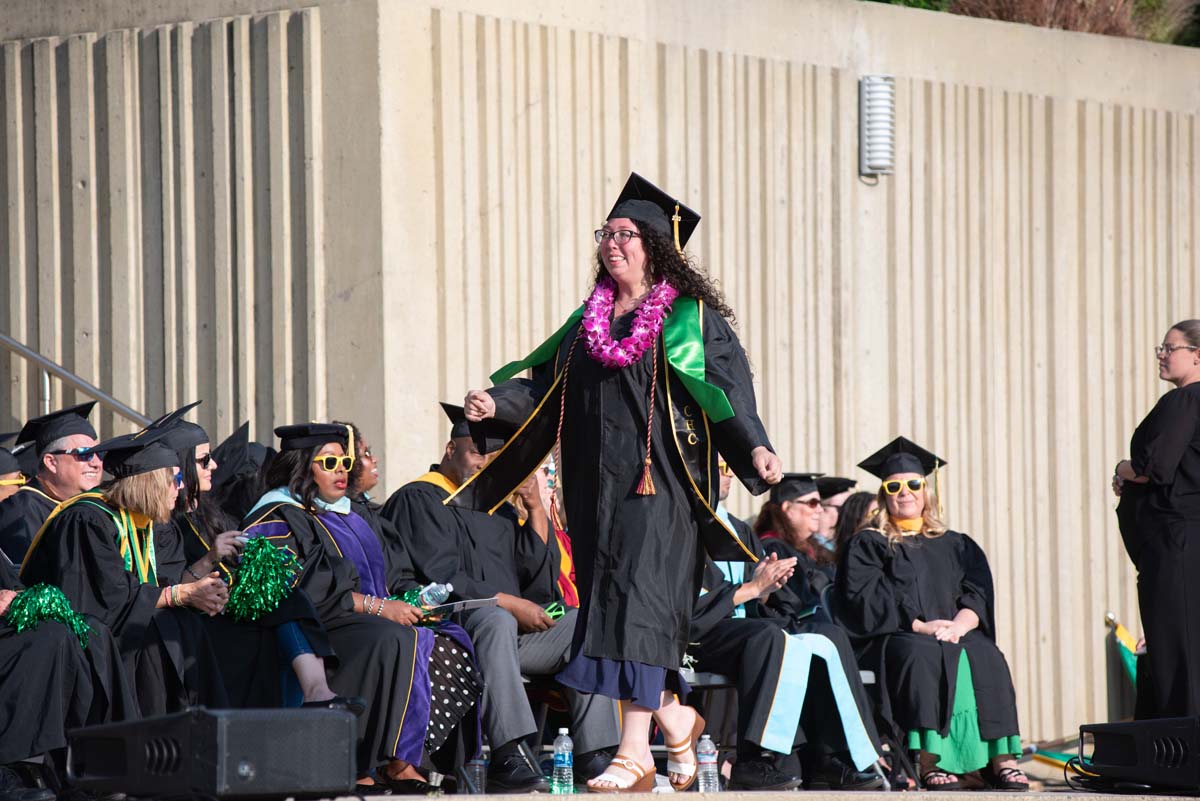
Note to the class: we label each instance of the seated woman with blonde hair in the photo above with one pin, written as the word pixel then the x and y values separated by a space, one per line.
pixel 98 548
pixel 917 599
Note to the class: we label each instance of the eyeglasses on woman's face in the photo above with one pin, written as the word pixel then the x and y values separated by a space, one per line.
pixel 1168 350
pixel 621 237
pixel 331 464
pixel 204 461
pixel 914 486
pixel 811 503
pixel 178 479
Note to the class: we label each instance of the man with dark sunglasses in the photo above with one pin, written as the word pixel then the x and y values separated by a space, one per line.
pixel 66 467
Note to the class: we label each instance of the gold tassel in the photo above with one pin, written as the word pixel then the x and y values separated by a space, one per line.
pixel 646 485
pixel 675 218
pixel 937 489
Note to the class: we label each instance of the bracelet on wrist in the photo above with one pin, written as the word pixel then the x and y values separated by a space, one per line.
pixel 379 611
pixel 175 595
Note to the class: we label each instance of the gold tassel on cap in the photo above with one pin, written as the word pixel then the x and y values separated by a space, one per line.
pixel 675 218
pixel 937 488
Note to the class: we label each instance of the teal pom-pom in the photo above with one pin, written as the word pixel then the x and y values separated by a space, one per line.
pixel 42 602
pixel 264 578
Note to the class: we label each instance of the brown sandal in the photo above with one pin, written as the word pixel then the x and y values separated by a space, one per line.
pixel 681 748
pixel 643 778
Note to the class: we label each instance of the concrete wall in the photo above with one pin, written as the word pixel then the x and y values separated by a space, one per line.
pixel 996 299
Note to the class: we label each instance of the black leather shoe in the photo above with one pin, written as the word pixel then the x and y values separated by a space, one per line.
pixel 512 774
pixel 760 774
pixel 349 703
pixel 591 764
pixel 832 774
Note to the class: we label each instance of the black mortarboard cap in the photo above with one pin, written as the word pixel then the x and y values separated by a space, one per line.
pixel 9 463
pixel 44 430
pixel 178 434
pixel 829 486
pixel 459 427
pixel 131 454
pixel 311 435
pixel 27 457
pixel 643 201
pixel 233 455
pixel 901 455
pixel 794 485
pixel 490 435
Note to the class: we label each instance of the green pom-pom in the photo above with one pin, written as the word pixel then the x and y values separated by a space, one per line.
pixel 264 578
pixel 411 597
pixel 43 602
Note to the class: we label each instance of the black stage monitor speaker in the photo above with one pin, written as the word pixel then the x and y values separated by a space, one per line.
pixel 226 753
pixel 1163 753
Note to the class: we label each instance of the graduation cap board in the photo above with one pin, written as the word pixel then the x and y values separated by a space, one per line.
pixel 9 463
pixel 132 454
pixel 643 201
pixel 43 431
pixel 794 485
pixel 459 427
pixel 312 435
pixel 829 486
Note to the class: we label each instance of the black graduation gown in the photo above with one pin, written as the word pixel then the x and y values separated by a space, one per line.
pixel 479 554
pixel 49 684
pixel 1160 524
pixel 247 652
pixel 167 653
pixel 21 516
pixel 881 589
pixel 375 656
pixel 810 578
pixel 638 558
pixel 752 650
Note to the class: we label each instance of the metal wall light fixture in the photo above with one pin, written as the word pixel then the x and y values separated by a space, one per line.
pixel 876 125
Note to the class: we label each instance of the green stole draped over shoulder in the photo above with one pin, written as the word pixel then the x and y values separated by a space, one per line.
pixel 684 343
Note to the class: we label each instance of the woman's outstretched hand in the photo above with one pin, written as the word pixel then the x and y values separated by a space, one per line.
pixel 768 465
pixel 479 405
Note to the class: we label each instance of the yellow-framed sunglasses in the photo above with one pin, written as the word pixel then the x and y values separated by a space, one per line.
pixel 330 463
pixel 894 487
pixel 14 482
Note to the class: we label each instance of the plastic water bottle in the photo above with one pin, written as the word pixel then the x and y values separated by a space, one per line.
pixel 708 777
pixel 476 770
pixel 562 781
pixel 435 594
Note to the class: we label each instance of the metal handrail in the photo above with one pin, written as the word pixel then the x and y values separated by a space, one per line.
pixel 67 377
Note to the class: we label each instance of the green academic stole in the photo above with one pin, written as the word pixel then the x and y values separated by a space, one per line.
pixel 136 545
pixel 683 339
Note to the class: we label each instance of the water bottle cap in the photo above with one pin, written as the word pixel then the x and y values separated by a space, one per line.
pixel 705 737
pixel 449 587
pixel 562 731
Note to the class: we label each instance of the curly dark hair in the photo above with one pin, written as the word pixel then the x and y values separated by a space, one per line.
pixel 682 272
pixel 293 469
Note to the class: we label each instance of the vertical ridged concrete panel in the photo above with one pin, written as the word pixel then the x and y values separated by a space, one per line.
pixel 162 224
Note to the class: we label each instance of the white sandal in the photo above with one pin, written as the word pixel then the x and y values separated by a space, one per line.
pixel 642 782
pixel 685 769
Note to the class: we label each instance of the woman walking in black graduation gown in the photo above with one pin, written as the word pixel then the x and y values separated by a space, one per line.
pixel 640 387
pixel 1159 515
pixel 917 598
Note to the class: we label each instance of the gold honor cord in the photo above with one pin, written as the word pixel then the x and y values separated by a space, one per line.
pixel 675 218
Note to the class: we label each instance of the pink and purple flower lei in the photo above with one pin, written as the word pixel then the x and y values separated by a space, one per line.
pixel 647 324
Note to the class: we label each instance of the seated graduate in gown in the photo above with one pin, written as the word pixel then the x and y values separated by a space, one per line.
pixel 420 682
pixel 98 548
pixel 917 597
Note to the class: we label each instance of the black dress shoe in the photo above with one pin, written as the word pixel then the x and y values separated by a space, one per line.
pixel 591 764
pixel 832 774
pixel 760 774
pixel 349 703
pixel 512 774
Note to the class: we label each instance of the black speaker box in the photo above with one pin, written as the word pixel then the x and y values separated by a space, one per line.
pixel 1163 753
pixel 226 753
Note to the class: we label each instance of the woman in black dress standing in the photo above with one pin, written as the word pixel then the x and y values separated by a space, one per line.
pixel 640 388
pixel 1159 514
